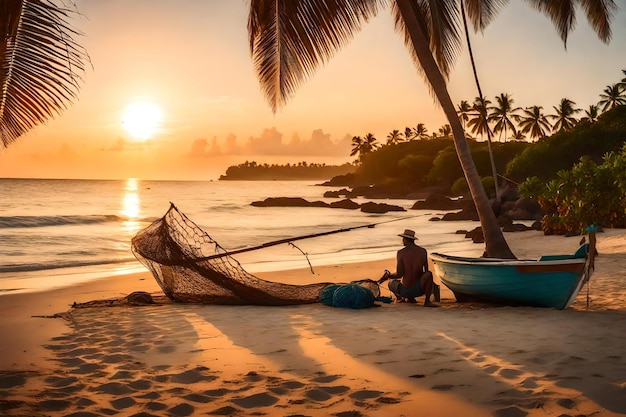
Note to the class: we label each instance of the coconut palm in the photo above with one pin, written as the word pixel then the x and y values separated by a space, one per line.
pixel 445 131
pixel 363 146
pixel 394 137
pixel 290 39
pixel 464 110
pixel 564 115
pixel 533 121
pixel 612 96
pixel 408 133
pixel 40 65
pixel 503 114
pixel 591 114
pixel 479 120
pixel 420 131
pixel 518 135
pixel 623 82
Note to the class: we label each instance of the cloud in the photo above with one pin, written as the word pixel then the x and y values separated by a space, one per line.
pixel 201 148
pixel 270 142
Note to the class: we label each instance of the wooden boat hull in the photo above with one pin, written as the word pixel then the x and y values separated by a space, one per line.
pixel 552 281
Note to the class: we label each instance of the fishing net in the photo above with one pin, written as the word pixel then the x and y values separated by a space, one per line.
pixel 191 267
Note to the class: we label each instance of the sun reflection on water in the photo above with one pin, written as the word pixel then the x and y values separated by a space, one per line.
pixel 130 207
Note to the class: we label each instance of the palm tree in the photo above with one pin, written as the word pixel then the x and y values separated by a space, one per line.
pixel 518 136
pixel 564 115
pixel 357 146
pixel 40 65
pixel 289 40
pixel 408 133
pixel 463 111
pixel 479 121
pixel 612 97
pixel 445 131
pixel 420 131
pixel 394 137
pixel 533 121
pixel 591 114
pixel 502 115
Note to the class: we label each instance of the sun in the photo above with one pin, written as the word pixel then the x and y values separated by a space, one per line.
pixel 142 120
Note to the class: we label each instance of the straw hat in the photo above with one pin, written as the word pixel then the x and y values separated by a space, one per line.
pixel 409 234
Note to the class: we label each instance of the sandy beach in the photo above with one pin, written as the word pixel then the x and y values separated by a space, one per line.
pixel 314 360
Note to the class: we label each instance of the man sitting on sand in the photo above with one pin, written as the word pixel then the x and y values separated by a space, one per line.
pixel 412 267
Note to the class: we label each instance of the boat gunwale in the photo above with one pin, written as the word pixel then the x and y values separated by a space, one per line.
pixel 460 260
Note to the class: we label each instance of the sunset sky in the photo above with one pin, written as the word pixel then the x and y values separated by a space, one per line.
pixel 189 61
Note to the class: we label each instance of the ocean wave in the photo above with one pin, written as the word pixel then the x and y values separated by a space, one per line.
pixel 13 222
pixel 61 264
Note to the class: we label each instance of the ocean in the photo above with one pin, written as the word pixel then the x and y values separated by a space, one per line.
pixel 56 233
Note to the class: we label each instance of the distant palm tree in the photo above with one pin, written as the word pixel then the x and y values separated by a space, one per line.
pixel 357 145
pixel 363 146
pixel 394 137
pixel 564 115
pixel 40 65
pixel 612 97
pixel 479 121
pixel 518 135
pixel 445 131
pixel 591 114
pixel 420 131
pixel 370 143
pixel 463 111
pixel 533 121
pixel 503 114
pixel 408 133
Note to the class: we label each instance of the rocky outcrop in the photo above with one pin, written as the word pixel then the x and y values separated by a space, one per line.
pixel 287 202
pixel 380 208
pixel 347 204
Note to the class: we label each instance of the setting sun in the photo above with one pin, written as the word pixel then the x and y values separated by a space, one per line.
pixel 142 120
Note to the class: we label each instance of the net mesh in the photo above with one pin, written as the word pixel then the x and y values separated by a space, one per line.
pixel 191 267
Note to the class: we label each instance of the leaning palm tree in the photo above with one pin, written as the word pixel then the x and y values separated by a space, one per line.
pixel 503 115
pixel 564 117
pixel 40 64
pixel 394 137
pixel 591 114
pixel 612 96
pixel 290 39
pixel 533 121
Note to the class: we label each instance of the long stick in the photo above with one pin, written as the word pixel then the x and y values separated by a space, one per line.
pixel 291 239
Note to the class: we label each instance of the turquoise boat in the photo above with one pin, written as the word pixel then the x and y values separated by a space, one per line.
pixel 551 281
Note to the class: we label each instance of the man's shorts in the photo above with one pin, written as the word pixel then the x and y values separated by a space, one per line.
pixel 396 287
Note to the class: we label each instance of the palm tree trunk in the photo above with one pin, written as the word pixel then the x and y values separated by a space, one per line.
pixel 495 244
pixel 480 94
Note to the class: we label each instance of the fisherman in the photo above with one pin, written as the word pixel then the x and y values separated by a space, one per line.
pixel 412 268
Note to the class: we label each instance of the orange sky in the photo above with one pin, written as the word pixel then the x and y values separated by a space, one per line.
pixel 191 59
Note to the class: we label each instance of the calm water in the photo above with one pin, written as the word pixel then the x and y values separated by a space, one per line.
pixel 57 232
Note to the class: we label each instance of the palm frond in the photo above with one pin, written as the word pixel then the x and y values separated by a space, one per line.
pixel 440 23
pixel 599 14
pixel 482 12
pixel 41 64
pixel 290 39
pixel 563 15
